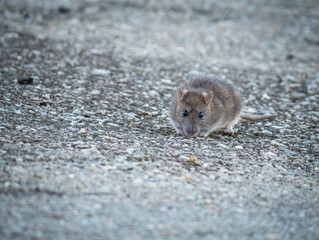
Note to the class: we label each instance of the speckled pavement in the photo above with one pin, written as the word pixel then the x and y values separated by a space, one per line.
pixel 86 147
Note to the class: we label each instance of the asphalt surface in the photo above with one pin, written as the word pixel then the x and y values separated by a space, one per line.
pixel 86 147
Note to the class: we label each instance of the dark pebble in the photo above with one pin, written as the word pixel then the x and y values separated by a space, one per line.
pixel 63 10
pixel 290 56
pixel 43 104
pixel 26 81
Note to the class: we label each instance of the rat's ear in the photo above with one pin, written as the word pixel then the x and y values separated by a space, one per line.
pixel 208 97
pixel 181 93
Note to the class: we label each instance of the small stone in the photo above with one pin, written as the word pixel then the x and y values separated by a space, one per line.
pixel 95 92
pixel 273 236
pixel 107 138
pixel 188 179
pixel 154 113
pixel 192 159
pixel 276 127
pixel 82 146
pixel 275 143
pixel 64 10
pixel 182 158
pixel 270 154
pixel 166 81
pixel 239 147
pixel 312 88
pixel 46 96
pixel 36 52
pixel 297 95
pixel 130 115
pixel 223 145
pixel 266 132
pixel 280 168
pixel 100 72
pixel 9 35
pixel 289 78
pixel 288 152
pixel 153 93
pixel 113 125
pixel 25 81
pixel 139 79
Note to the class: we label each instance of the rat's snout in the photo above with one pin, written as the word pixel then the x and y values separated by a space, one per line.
pixel 191 130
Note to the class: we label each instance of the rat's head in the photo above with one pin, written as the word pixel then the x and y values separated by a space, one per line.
pixel 193 110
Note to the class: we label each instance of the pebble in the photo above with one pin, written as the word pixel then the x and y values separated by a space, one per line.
pixel 164 116
pixel 107 138
pixel 9 35
pixel 275 143
pixel 183 158
pixel 298 95
pixel 100 72
pixel 153 93
pixel 25 81
pixel 222 145
pixel 113 125
pixel 130 115
pixel 95 92
pixel 19 159
pixel 82 146
pixel 288 152
pixel 289 78
pixel 312 88
pixel 239 147
pixel 266 132
pixel 166 81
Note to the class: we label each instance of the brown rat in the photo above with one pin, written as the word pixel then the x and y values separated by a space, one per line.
pixel 205 104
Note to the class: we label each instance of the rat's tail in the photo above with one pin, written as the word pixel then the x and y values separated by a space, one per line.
pixel 257 117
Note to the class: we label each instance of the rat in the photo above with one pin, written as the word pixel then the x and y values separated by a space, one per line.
pixel 205 104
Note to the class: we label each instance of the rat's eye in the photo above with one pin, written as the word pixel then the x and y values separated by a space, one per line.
pixel 201 115
pixel 185 113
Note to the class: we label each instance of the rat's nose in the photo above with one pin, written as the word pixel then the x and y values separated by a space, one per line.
pixel 191 131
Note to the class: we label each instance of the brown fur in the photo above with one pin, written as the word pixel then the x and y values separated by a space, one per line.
pixel 217 100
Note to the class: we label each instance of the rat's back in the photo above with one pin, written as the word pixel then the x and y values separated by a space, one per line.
pixel 207 84
pixel 224 93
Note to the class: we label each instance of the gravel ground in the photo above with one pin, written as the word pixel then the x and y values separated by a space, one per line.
pixel 87 150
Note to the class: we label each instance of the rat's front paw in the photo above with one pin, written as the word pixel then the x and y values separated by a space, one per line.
pixel 230 132
pixel 180 132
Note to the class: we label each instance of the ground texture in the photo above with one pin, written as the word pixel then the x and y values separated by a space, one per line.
pixel 86 147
